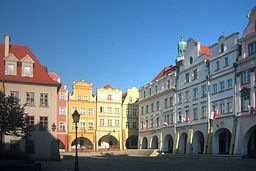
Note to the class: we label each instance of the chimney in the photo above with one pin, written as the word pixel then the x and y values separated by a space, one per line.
pixel 7 45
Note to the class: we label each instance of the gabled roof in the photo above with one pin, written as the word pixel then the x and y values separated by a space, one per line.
pixel 164 72
pixel 205 50
pixel 108 86
pixel 40 74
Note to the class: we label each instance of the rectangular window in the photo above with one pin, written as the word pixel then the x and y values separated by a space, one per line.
pixel 127 125
pixel 204 111
pixel 142 110
pixel 229 83
pixel 222 108
pixel 222 86
pixel 109 122
pixel 144 94
pixel 152 107
pixel 226 61
pixel 157 106
pixel 187 114
pixel 101 109
pixel 85 98
pixel 150 92
pixel 245 103
pixel 187 77
pixel 90 111
pixel 252 47
pixel 165 103
pixel 146 108
pixel 109 97
pixel 157 122
pixel 43 122
pixel 62 126
pixel 187 95
pixel 141 126
pixel 117 110
pixel 168 84
pixel 179 98
pixel 43 99
pixel 27 71
pixel 217 65
pixel 134 112
pixel 11 70
pixel 215 90
pixel 156 89
pixel 15 94
pixel 31 121
pixel 195 110
pixel 30 98
pixel 127 111
pixel 151 123
pixel 230 107
pixel 101 122
pixel 222 48
pixel 73 109
pixel 82 125
pixel 171 118
pixel 62 110
pixel 109 110
pixel 90 125
pixel 195 74
pixel 134 125
pixel 117 122
pixel 167 119
pixel 204 91
pixel 62 96
pixel 195 90
pixel 179 117
pixel 79 98
pixel 171 101
pixel 246 77
pixel 82 110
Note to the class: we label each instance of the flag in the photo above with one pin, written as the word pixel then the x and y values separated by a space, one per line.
pixel 26 116
pixel 146 127
pixel 165 123
pixel 212 114
pixel 216 114
pixel 251 109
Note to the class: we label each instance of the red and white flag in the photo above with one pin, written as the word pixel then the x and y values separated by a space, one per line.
pixel 216 114
pixel 146 126
pixel 26 116
pixel 251 109
pixel 165 123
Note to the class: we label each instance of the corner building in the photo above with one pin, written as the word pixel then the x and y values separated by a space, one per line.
pixel 82 100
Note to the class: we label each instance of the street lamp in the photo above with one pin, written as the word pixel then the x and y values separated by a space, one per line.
pixel 76 117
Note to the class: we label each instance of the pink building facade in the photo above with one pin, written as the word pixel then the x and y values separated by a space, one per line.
pixel 62 107
pixel 245 120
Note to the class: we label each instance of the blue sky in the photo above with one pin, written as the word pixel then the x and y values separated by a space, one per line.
pixel 123 43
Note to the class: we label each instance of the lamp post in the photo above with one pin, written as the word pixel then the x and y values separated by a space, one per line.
pixel 76 117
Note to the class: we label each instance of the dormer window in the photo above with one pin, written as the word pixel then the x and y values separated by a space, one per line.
pixel 27 71
pixel 11 65
pixel 222 48
pixel 27 66
pixel 10 70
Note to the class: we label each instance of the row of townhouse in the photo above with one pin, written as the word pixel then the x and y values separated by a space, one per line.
pixel 176 108
pixel 108 118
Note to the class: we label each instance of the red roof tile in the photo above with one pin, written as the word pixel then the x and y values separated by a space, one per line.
pixel 205 50
pixel 165 71
pixel 107 86
pixel 40 74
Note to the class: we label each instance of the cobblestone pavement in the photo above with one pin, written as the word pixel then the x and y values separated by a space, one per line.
pixel 163 162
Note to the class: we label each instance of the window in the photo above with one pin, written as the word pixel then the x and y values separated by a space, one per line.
pixel 171 101
pixel 62 110
pixel 134 125
pixel 252 48
pixel 204 111
pixel 43 99
pixel 187 95
pixel 109 122
pixel 246 77
pixel 191 60
pixel 156 88
pixel 222 86
pixel 195 74
pixel 150 92
pixel 101 122
pixel 179 98
pixel 142 110
pixel 109 97
pixel 204 91
pixel 168 84
pixel 90 111
pixel 43 122
pixel 62 96
pixel 245 103
pixel 222 108
pixel 222 48
pixel 101 109
pixel 195 93
pixel 226 61
pixel 82 110
pixel 79 98
pixel 146 108
pixel 214 107
pixel 157 122
pixel 217 65
pixel 30 98
pixel 117 110
pixel 187 77
pixel 73 109
pixel 165 103
pixel 116 122
pixel 11 70
pixel 134 112
pixel 157 106
pixel 229 104
pixel 73 125
pixel 130 99
pixel 229 83
pixel 127 125
pixel 144 94
pixel 31 120
pixel 27 71
pixel 195 110
pixel 171 118
pixel 90 125
pixel 127 111
pixel 215 90
pixel 187 114
pixel 146 123
pixel 152 107
pixel 151 123
pixel 15 94
pixel 82 125
pixel 141 124
pixel 85 98
pixel 62 126
pixel 167 119
pixel 109 110
pixel 179 117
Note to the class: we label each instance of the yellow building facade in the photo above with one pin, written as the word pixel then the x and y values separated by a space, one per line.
pixel 109 121
pixel 82 100
pixel 130 111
